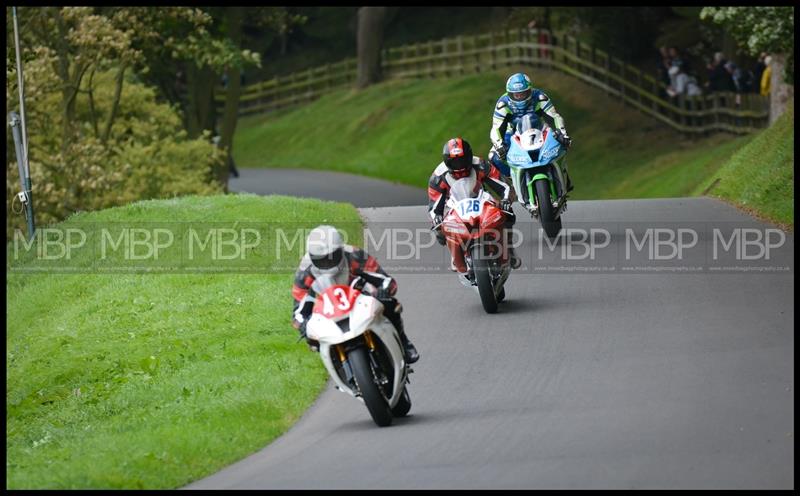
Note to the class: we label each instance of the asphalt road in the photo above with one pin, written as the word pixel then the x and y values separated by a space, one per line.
pixel 657 380
pixel 337 186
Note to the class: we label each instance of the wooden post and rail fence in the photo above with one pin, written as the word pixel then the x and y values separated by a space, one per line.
pixel 461 55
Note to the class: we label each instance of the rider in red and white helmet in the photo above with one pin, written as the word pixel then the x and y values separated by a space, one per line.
pixel 458 162
pixel 328 256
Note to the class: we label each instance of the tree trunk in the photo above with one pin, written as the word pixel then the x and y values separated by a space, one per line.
pixel 200 88
pixel 232 94
pixel 780 92
pixel 120 80
pixel 370 43
pixel 67 90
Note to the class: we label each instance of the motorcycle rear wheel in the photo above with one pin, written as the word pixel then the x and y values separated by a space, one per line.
pixel 376 404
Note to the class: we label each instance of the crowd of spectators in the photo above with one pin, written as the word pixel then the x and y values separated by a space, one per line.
pixel 722 75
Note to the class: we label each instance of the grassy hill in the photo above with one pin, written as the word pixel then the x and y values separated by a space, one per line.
pixel 137 380
pixel 759 177
pixel 395 131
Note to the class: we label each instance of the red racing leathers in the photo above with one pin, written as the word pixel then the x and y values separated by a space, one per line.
pixel 483 173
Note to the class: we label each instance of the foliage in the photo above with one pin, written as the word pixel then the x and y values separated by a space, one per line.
pixel 759 29
pixel 97 136
pixel 629 32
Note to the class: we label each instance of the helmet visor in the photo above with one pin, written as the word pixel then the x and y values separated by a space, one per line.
pixel 520 96
pixel 459 166
pixel 458 163
pixel 329 261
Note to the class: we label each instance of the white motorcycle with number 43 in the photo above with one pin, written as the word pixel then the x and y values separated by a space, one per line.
pixel 360 348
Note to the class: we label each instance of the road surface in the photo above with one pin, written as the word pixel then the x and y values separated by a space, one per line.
pixel 582 380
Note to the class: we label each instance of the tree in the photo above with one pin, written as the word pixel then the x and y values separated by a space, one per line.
pixel 276 19
pixel 763 29
pixel 369 44
pixel 98 136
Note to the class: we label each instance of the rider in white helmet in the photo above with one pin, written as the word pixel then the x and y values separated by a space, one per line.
pixel 327 256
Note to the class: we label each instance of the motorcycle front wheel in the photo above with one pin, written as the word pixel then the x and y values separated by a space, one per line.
pixel 483 278
pixel 403 405
pixel 551 225
pixel 376 404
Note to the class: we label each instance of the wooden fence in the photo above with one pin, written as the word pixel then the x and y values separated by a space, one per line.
pixel 523 47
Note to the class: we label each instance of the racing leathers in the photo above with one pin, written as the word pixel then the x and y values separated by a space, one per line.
pixel 489 177
pixel 357 263
pixel 504 122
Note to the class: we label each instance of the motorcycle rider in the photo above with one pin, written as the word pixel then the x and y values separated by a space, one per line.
pixel 520 99
pixel 457 163
pixel 327 255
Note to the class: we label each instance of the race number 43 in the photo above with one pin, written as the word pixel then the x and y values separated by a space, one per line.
pixel 335 302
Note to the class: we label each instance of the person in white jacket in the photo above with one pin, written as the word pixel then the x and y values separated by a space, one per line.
pixel 682 83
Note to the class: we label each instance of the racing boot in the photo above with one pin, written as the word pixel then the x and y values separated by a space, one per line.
pixel 409 350
pixel 411 354
pixel 515 261
pixel 570 187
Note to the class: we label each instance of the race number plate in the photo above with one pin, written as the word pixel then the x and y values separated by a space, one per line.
pixel 469 208
pixel 335 301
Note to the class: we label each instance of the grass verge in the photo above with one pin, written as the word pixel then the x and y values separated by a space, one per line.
pixel 759 177
pixel 154 380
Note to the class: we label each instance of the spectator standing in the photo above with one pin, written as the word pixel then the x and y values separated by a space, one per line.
pixel 766 76
pixel 685 84
pixel 737 76
pixel 719 79
pixel 758 71
pixel 663 64
pixel 675 58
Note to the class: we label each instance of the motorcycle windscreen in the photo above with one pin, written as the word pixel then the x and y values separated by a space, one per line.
pixel 465 199
pixel 526 123
pixel 465 188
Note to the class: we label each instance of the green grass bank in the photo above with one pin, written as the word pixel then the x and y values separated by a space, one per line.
pixel 395 131
pixel 137 380
pixel 759 177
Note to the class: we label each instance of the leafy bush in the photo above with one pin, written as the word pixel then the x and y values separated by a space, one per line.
pixel 147 153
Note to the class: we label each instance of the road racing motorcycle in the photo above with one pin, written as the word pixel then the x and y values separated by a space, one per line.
pixel 360 348
pixel 473 226
pixel 536 157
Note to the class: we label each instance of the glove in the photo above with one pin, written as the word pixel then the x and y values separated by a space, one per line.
pixel 313 344
pixel 563 138
pixel 302 328
pixel 505 206
pixel 500 150
pixel 383 294
pixel 437 229
pixel 358 283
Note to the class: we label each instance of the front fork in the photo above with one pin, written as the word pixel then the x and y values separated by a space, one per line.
pixel 369 340
pixel 524 182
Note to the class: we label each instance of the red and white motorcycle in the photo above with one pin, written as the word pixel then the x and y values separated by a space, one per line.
pixel 473 228
pixel 360 348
